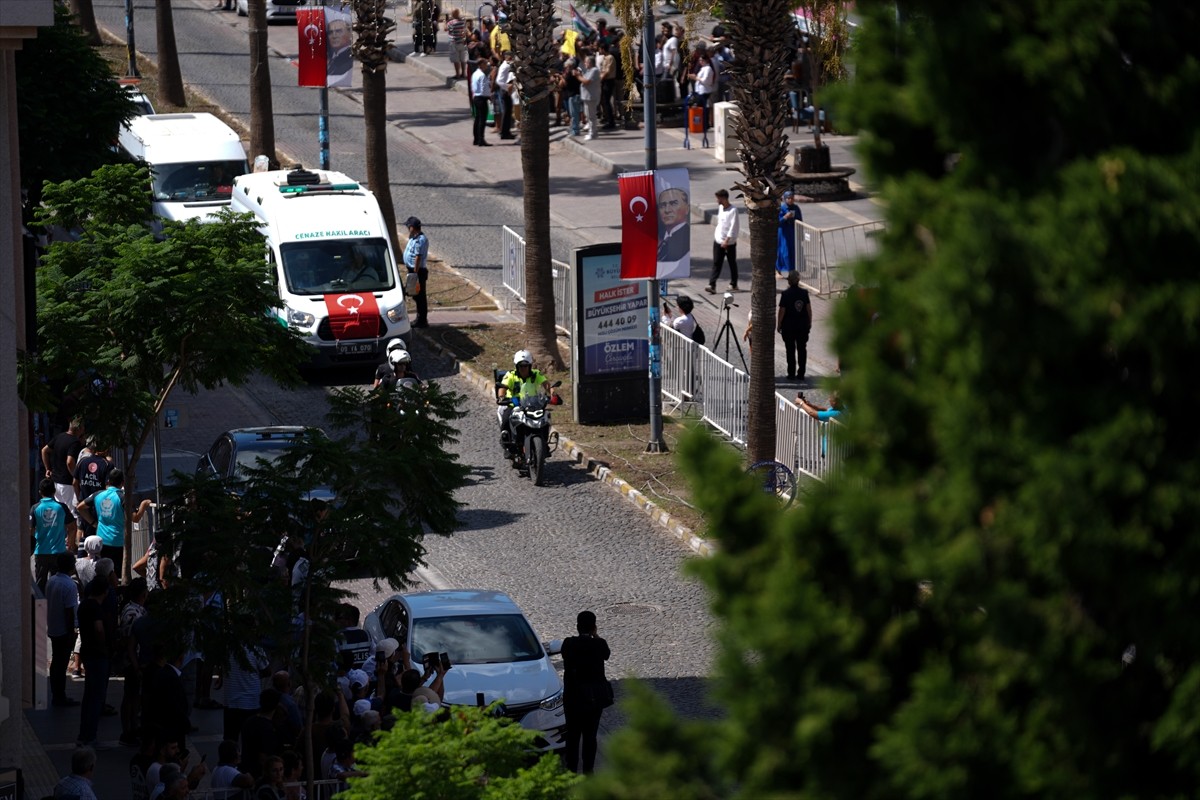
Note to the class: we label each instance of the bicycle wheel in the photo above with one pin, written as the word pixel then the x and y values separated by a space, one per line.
pixel 775 478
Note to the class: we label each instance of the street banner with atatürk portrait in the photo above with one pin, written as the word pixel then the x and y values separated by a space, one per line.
pixel 655 224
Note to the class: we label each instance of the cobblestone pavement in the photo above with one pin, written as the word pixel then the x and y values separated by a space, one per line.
pixel 557 549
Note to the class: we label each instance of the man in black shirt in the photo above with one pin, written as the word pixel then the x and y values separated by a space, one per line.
pixel 260 737
pixel 794 323
pixel 90 476
pixel 58 457
pixel 586 690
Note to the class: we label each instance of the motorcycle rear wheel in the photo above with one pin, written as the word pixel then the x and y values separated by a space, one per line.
pixel 535 447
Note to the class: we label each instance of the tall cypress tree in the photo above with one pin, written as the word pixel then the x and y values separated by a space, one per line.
pixel 996 598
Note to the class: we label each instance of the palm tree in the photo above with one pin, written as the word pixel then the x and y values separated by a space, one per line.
pixel 262 115
pixel 371 44
pixel 85 15
pixel 531 28
pixel 760 31
pixel 170 79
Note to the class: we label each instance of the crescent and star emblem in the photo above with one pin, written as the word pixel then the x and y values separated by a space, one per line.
pixel 341 301
pixel 312 33
pixel 645 207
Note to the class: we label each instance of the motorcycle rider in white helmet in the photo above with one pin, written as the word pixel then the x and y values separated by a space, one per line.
pixel 521 383
pixel 397 367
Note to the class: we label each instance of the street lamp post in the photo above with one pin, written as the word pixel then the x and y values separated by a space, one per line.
pixel 655 442
pixel 131 71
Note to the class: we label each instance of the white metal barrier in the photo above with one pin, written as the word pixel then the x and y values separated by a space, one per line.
pixel 825 256
pixel 512 272
pixel 512 262
pixel 692 373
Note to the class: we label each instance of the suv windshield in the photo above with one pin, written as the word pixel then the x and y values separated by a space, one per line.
pixel 197 180
pixel 328 266
pixel 483 639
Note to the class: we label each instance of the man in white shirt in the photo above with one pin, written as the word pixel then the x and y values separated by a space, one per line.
pixel 685 322
pixel 481 91
pixel 504 87
pixel 725 236
pixel 671 52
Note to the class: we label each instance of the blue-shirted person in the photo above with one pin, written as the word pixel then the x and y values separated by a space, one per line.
pixel 833 411
pixel 106 510
pixel 51 523
pixel 416 259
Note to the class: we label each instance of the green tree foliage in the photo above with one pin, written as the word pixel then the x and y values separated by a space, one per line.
pixel 125 316
pixel 461 754
pixel 996 599
pixel 69 108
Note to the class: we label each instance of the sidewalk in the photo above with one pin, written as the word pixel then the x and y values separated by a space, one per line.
pixel 583 184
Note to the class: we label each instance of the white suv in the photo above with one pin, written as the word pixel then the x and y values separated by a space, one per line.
pixel 494 653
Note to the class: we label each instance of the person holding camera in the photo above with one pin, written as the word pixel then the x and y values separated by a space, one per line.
pixel 684 322
pixel 586 690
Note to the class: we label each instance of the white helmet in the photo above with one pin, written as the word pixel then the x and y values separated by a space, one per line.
pixel 522 357
pixel 399 357
pixel 395 344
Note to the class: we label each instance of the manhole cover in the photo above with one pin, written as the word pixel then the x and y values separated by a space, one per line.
pixel 630 609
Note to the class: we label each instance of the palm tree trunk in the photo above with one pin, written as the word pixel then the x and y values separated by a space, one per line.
pixel 85 15
pixel 375 120
pixel 530 26
pixel 760 32
pixel 262 115
pixel 539 279
pixel 170 79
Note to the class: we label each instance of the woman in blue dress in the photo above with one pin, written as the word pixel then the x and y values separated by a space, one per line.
pixel 785 255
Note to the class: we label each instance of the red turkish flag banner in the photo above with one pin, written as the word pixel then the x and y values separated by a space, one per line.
pixel 353 316
pixel 639 226
pixel 310 24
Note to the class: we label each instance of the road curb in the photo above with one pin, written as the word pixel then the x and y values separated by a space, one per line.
pixel 600 469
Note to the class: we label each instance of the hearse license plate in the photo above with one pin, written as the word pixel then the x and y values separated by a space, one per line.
pixel 355 348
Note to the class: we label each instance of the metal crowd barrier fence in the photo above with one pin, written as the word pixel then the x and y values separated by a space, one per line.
pixel 825 256
pixel 724 392
pixel 512 276
pixel 512 262
pixel 692 373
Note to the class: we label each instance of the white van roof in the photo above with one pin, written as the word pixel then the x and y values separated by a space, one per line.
pixel 336 207
pixel 181 138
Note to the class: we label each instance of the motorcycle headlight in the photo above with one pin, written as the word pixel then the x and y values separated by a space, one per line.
pixel 395 313
pixel 553 701
pixel 301 319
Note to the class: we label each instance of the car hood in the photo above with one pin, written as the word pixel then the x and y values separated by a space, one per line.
pixel 517 683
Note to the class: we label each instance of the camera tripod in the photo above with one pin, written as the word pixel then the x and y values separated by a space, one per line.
pixel 727 333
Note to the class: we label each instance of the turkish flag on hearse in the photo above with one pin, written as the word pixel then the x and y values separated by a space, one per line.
pixel 310 24
pixel 353 316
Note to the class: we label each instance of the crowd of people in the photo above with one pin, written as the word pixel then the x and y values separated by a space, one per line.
pixel 588 85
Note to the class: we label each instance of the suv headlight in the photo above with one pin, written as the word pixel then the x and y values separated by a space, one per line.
pixel 395 313
pixel 553 701
pixel 301 319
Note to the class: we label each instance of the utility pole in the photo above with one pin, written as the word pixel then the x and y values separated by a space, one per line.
pixel 655 443
pixel 131 71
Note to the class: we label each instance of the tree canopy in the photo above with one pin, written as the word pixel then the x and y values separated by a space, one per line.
pixel 69 107
pixel 463 753
pixel 126 315
pixel 996 598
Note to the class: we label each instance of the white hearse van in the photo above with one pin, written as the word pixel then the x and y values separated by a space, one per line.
pixel 193 160
pixel 332 260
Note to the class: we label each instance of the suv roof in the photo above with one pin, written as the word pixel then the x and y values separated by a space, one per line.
pixel 459 602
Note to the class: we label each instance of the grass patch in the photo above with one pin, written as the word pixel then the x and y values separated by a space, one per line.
pixel 449 290
pixel 621 445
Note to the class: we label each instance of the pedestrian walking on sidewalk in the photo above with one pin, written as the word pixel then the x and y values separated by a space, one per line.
pixel 416 259
pixel 725 236
pixel 586 691
pixel 481 93
pixel 794 324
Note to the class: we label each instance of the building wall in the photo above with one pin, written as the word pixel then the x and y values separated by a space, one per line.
pixel 19 20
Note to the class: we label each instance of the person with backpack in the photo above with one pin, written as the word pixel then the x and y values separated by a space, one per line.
pixel 685 323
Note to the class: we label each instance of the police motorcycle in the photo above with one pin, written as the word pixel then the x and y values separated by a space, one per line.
pixel 528 441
